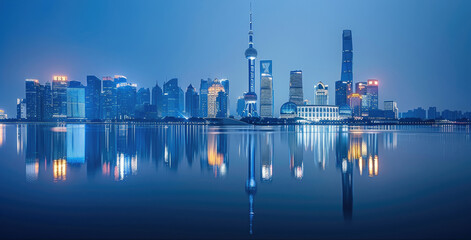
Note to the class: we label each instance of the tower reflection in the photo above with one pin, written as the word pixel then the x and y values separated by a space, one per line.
pixel 266 157
pixel 251 185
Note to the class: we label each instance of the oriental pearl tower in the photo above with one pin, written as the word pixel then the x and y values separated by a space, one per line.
pixel 250 97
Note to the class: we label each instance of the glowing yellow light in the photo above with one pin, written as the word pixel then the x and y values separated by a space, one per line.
pixel 370 166
pixel 59 169
pixel 59 78
pixel 376 165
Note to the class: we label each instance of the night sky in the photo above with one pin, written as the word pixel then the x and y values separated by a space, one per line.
pixel 418 50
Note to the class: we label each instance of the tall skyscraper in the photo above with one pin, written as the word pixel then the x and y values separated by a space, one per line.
pixel 354 101
pixel 372 94
pixel 92 98
pixel 343 87
pixel 204 86
pixel 32 99
pixel 432 113
pixel 109 108
pixel 59 96
pixel 191 102
pixel 173 99
pixel 266 89
pixel 157 99
pixel 341 93
pixel 347 60
pixel 75 100
pixel 127 98
pixel 143 96
pixel 251 96
pixel 360 88
pixel 321 94
pixel 240 106
pixel 222 105
pixel 225 84
pixel 48 108
pixel 20 109
pixel 390 109
pixel 296 87
pixel 213 93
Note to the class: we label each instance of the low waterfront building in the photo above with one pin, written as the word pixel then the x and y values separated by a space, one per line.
pixel 318 113
pixel 288 110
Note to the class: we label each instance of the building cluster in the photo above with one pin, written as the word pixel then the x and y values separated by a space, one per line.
pixel 433 114
pixel 359 103
pixel 116 99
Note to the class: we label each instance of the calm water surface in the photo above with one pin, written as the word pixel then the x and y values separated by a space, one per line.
pixel 134 181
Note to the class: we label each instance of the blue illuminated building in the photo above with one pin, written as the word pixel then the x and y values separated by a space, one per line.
pixel 92 98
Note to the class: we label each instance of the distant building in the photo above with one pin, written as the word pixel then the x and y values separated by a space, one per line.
pixel 240 106
pixel 20 109
pixel 318 113
pixel 213 93
pixel 419 113
pixel 225 84
pixel 354 101
pixel 3 115
pixel 341 93
pixel 75 100
pixel 360 88
pixel 32 99
pixel 451 115
pixel 109 99
pixel 432 113
pixel 157 99
pixel 143 96
pixel 266 89
pixel 288 110
pixel 222 103
pixel 59 97
pixel 191 102
pixel 127 99
pixel 48 108
pixel 173 99
pixel 372 94
pixel 92 98
pixel 120 79
pixel 347 61
pixel 391 110
pixel 321 95
pixel 296 87
pixel 204 86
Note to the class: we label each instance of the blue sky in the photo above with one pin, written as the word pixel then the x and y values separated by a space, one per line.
pixel 418 50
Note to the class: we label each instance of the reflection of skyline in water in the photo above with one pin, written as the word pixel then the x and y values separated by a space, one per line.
pixel 114 150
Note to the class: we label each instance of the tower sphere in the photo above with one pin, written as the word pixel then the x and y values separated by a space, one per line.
pixel 251 53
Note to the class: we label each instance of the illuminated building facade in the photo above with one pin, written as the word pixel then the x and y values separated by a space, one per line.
pixel 341 93
pixel 191 102
pixel 251 97
pixel 266 89
pixel 354 101
pixel 20 109
pixel 288 110
pixel 343 87
pixel 391 110
pixel 225 84
pixel 127 98
pixel 204 86
pixel 222 103
pixel 157 99
pixel 75 100
pixel 318 113
pixel 372 94
pixel 240 106
pixel 213 93
pixel 92 98
pixel 296 87
pixel 173 99
pixel 59 96
pixel 321 94
pixel 33 105
pixel 109 100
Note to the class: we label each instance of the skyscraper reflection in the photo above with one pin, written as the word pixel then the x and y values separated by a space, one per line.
pixel 266 157
pixel 217 155
pixel 295 142
pixel 346 166
pixel 251 184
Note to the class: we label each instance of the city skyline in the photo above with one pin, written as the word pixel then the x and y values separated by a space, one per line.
pixel 37 63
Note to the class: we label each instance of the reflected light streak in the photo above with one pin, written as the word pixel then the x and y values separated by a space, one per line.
pixel 59 169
